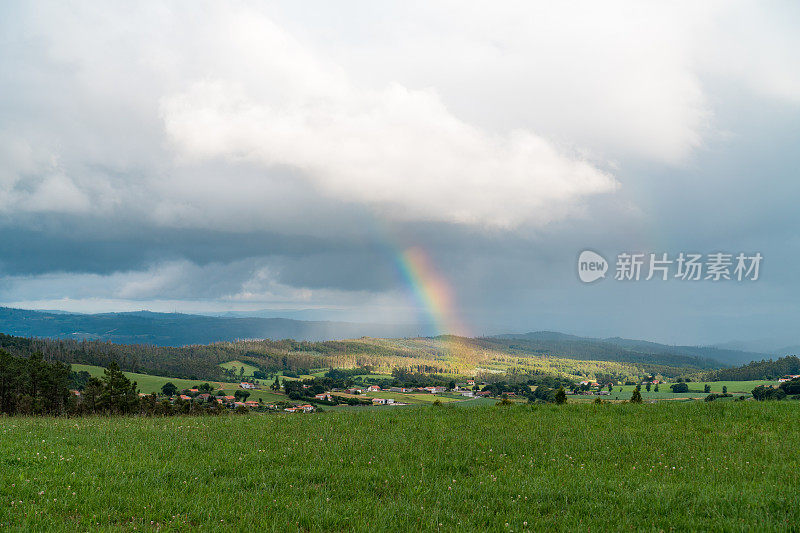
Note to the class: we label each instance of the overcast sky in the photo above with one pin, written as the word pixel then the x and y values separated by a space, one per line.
pixel 207 157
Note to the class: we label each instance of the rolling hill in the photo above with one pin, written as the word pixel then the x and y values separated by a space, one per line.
pixel 550 340
pixel 177 329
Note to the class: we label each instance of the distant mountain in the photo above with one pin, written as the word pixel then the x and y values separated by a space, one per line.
pixel 176 329
pixel 718 354
pixel 778 347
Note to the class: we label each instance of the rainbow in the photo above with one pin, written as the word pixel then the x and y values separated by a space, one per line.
pixel 431 290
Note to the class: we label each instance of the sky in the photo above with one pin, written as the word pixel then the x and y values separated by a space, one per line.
pixel 403 162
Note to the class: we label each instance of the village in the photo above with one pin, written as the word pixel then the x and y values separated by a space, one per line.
pixel 205 396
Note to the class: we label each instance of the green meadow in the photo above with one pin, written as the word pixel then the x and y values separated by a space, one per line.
pixel 736 388
pixel 730 466
pixel 150 384
pixel 236 366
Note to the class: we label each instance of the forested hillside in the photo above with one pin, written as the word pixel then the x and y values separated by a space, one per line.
pixel 447 355
pixel 177 329
pixel 769 369
pixel 579 345
pixel 584 348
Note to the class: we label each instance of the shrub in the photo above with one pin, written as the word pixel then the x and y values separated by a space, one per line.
pixel 791 387
pixel 762 393
pixel 679 387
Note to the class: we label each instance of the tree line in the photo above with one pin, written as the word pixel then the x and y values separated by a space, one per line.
pixel 756 370
pixel 35 386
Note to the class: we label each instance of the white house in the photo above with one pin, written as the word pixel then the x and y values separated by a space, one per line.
pixel 246 385
pixel 382 401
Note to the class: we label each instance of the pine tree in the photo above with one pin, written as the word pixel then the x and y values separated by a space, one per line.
pixel 636 397
pixel 561 396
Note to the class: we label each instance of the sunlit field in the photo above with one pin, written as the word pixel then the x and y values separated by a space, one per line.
pixel 709 466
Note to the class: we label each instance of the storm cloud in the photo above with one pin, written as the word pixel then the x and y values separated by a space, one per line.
pixel 208 157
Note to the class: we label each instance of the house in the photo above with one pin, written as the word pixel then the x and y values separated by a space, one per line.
pixel 434 390
pixel 471 382
pixel 788 377
pixel 205 396
pixel 307 408
pixel 251 404
pixel 354 391
pixel 400 389
pixel 229 399
pixel 75 392
pixel 483 393
pixel 239 404
pixel 467 394
pixel 246 385
pixel 194 390
pixel 590 383
pixel 185 398
pixel 326 396
pixel 373 388
pixel 382 401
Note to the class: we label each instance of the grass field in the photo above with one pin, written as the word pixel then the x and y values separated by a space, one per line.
pixel 149 384
pixel 736 388
pixel 236 366
pixel 688 466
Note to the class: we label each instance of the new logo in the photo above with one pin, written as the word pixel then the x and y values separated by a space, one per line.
pixel 591 266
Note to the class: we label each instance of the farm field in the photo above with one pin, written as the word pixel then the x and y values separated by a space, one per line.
pixel 407 397
pixel 736 388
pixel 149 384
pixel 236 366
pixel 688 466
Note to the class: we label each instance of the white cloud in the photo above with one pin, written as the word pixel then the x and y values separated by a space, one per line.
pixel 397 149
pixel 481 113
